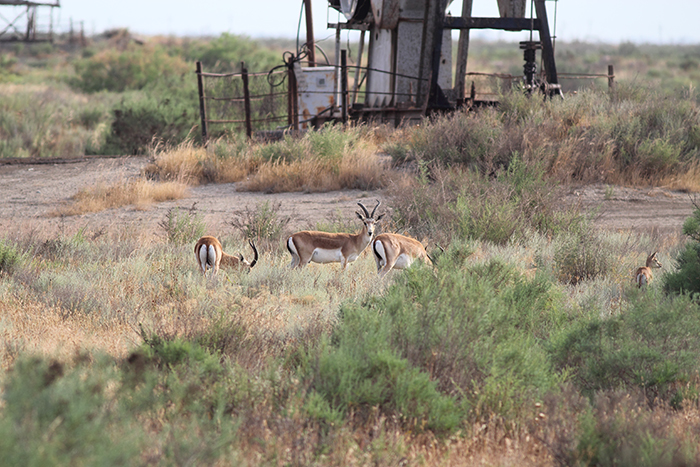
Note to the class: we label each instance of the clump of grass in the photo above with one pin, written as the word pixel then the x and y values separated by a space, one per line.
pixel 456 203
pixel 183 225
pixel 9 257
pixel 138 192
pixel 264 222
pixel 583 256
pixel 50 121
pixel 331 158
pixel 635 135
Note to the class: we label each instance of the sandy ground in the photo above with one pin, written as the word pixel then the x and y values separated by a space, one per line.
pixel 32 192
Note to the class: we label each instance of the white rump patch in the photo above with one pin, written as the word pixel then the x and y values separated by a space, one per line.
pixel 203 257
pixel 379 250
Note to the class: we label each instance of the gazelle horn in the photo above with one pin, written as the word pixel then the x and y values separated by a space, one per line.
pixel 375 208
pixel 364 209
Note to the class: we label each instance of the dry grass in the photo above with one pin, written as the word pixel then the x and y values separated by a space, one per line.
pixel 138 192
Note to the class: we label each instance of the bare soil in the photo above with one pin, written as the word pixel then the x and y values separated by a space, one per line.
pixel 32 193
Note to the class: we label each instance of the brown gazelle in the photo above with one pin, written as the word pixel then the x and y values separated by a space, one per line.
pixel 394 251
pixel 326 247
pixel 210 254
pixel 643 275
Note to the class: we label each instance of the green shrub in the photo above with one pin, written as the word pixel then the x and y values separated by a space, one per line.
pixel 474 334
pixel 131 69
pixel 163 113
pixel 9 257
pixel 360 371
pixel 226 52
pixel 446 204
pixel 264 222
pixel 583 256
pixel 651 347
pixel 61 415
pixel 686 277
pixel 183 226
pixel 620 430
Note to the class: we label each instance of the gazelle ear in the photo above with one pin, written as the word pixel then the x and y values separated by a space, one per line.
pixel 240 256
pixel 379 217
pixel 359 215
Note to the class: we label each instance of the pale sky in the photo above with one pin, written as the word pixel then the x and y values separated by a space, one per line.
pixel 614 21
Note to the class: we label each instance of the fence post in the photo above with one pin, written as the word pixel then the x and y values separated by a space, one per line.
pixel 611 77
pixel 246 101
pixel 344 84
pixel 202 106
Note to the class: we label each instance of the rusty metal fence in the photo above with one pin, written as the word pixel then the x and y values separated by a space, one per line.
pixel 243 101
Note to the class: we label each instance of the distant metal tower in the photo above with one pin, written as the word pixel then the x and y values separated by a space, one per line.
pixel 23 23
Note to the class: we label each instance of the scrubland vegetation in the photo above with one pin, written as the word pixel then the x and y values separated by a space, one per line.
pixel 526 343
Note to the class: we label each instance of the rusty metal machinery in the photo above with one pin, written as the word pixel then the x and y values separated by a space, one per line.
pixel 409 54
pixel 24 25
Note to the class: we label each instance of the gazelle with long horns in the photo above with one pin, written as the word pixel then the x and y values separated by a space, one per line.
pixel 326 247
pixel 394 251
pixel 210 255
pixel 643 275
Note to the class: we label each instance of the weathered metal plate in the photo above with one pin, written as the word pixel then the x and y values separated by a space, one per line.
pixel 316 91
pixel 386 13
pixel 511 8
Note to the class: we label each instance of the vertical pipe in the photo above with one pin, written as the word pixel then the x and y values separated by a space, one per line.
pixel 246 101
pixel 463 54
pixel 293 101
pixel 290 97
pixel 547 50
pixel 336 90
pixel 310 33
pixel 202 106
pixel 356 84
pixel 344 84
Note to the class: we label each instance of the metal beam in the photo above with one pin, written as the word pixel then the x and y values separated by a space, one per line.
pixel 550 67
pixel 506 24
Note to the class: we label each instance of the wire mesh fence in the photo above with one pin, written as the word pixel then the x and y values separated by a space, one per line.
pixel 243 102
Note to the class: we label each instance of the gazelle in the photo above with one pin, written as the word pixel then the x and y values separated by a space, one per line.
pixel 394 251
pixel 210 254
pixel 643 275
pixel 326 247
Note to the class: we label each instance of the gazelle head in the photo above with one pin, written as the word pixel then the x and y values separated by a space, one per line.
pixel 652 262
pixel 368 219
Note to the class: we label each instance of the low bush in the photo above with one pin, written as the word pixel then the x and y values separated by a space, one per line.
pixel 263 223
pixel 446 204
pixel 475 335
pixel 130 69
pixel 686 277
pixel 583 256
pixel 651 347
pixel 183 225
pixel 9 257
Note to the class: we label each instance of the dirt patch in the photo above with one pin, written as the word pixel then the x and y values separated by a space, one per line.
pixel 658 211
pixel 32 192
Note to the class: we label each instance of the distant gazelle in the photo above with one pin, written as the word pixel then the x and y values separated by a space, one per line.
pixel 326 247
pixel 210 255
pixel 394 251
pixel 643 275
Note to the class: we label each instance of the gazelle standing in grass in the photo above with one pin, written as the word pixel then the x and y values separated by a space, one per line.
pixel 326 247
pixel 210 254
pixel 643 275
pixel 394 251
